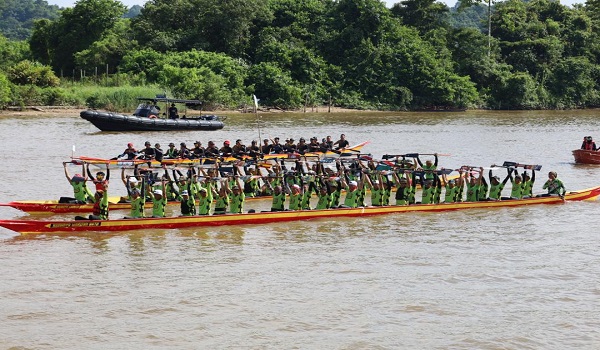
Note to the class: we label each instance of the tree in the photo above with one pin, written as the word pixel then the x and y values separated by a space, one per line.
pixel 424 15
pixel 77 28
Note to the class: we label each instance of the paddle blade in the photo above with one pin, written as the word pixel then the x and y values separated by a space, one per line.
pixel 412 155
pixel 509 164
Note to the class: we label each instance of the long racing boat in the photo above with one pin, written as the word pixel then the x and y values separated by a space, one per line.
pixel 49 227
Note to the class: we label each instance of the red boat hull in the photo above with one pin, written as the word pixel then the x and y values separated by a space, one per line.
pixel 586 157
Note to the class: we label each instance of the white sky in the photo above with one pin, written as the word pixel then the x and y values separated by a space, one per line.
pixel 129 3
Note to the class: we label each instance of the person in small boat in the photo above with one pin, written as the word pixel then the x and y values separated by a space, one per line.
pixel 81 192
pixel 100 209
pixel 314 146
pixel 329 143
pixel 353 192
pixel 376 186
pixel 429 167
pixel 554 186
pixel 266 147
pixel 222 200
pixel 159 200
pixel 429 189
pixel 496 186
pixel 253 151
pixel 588 144
pixel 290 146
pixel 173 113
pixel 276 147
pixel 130 153
pixel 205 197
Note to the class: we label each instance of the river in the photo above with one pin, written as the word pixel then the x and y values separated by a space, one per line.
pixel 507 278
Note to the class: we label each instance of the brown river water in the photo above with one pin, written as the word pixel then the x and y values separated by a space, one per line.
pixel 506 278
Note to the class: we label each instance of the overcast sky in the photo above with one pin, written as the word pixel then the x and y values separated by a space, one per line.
pixel 129 3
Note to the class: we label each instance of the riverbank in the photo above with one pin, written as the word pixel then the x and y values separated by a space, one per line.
pixel 54 111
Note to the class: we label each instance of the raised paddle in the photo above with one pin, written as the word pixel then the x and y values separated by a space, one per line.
pixel 507 164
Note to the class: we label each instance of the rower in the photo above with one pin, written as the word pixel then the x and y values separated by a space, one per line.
pixel 237 198
pixel 453 188
pixel 148 152
pixel 517 183
pixel 376 189
pixel 100 210
pixel 81 192
pixel 184 152
pixel 222 201
pixel 173 112
pixel 474 185
pixel 342 142
pixel 239 149
pixel 101 178
pixel 159 200
pixel 554 186
pixel 226 150
pixel 205 198
pixel 429 167
pixel 406 186
pixel 188 204
pixel 130 153
pixel 528 182
pixel 172 152
pixel 197 151
pixel 496 186
pixel 138 199
pixel 302 147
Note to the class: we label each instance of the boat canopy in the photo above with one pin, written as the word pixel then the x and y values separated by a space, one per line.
pixel 166 100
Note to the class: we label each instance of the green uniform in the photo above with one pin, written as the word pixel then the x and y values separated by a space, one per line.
pixel 377 197
pixel 205 202
pixel 278 202
pixel 429 171
pixel 295 201
pixel 404 195
pixel 362 192
pixel 517 190
pixel 482 193
pixel 188 207
pixel 221 204
pixel 528 188
pixel 336 196
pixel 137 207
pixel 352 198
pixel 555 187
pixel 324 201
pixel 495 190
pixel 473 192
pixel 451 194
pixel 158 207
pixel 237 203
pixel 81 192
pixel 428 195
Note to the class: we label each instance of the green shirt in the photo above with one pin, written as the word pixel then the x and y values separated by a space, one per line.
pixel 158 207
pixel 295 201
pixel 554 187
pixel 495 190
pixel 352 198
pixel 221 204
pixel 528 188
pixel 237 203
pixel 428 195
pixel 517 190
pixel 101 208
pixel 278 201
pixel 137 207
pixel 324 201
pixel 404 195
pixel 80 191
pixel 451 194
pixel 473 192
pixel 377 196
pixel 204 203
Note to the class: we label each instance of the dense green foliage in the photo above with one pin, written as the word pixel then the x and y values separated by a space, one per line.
pixel 419 54
pixel 17 16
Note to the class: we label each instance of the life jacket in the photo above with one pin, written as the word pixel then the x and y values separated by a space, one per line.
pixel 589 145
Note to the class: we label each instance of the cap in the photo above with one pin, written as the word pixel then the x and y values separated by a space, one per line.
pixel 296 186
pixel 197 143
pixel 130 144
pixel 136 192
pixel 353 183
pixel 238 140
pixel 147 143
pixel 203 190
pixel 292 139
pixel 451 181
pixel 182 178
pixel 184 193
pixel 182 144
pixel 133 180
pixel 158 192
pixel 302 139
pixel 235 188
pixel 78 178
pixel 227 142
pixel 171 144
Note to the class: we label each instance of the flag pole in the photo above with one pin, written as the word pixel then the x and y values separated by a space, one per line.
pixel 257 121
